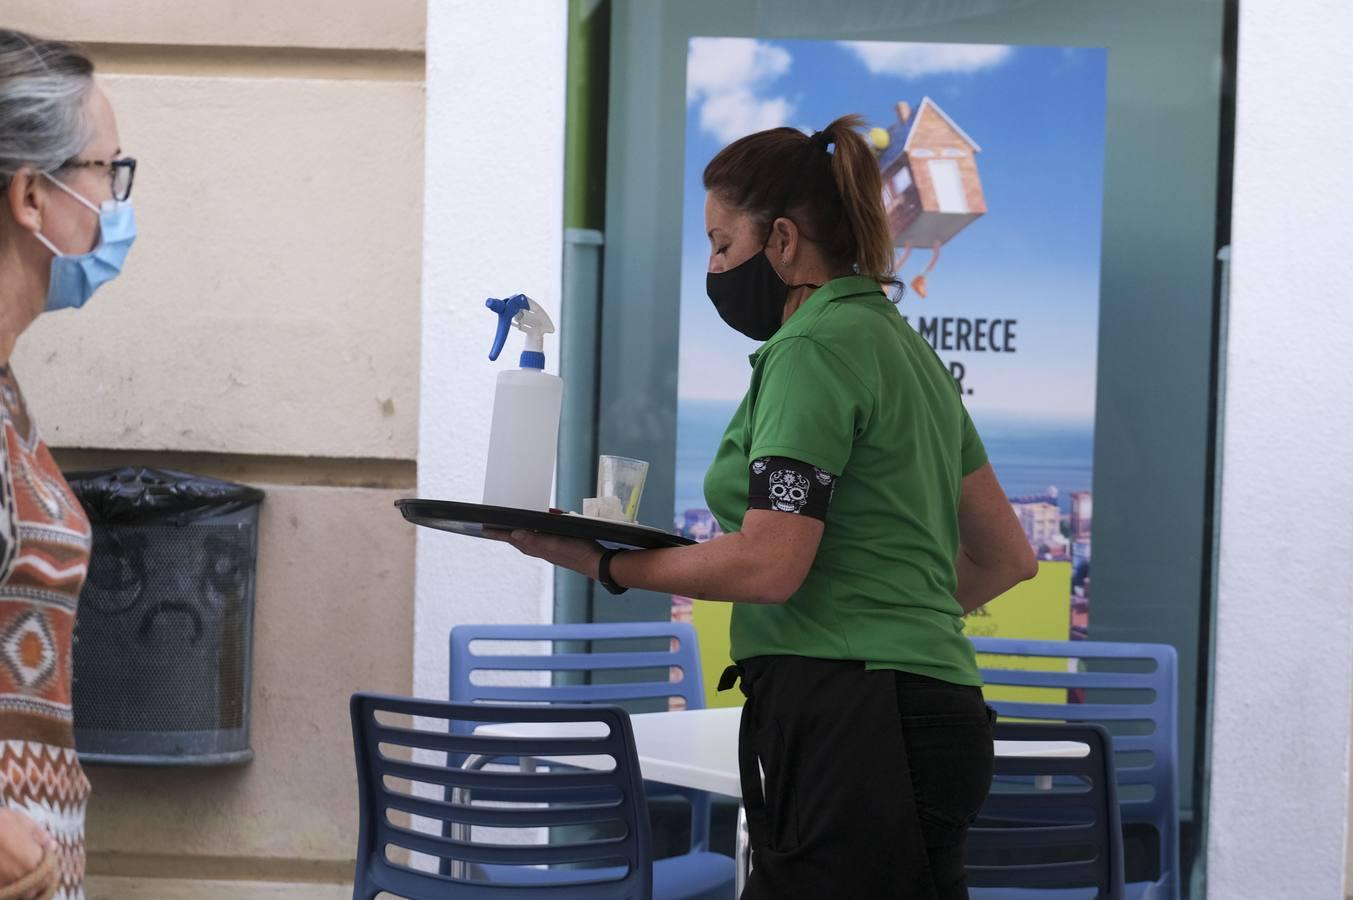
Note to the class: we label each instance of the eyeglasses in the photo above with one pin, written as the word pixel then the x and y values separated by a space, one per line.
pixel 121 173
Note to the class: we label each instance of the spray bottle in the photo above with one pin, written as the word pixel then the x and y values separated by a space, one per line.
pixel 525 429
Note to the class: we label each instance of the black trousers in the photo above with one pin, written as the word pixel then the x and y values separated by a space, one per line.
pixel 872 779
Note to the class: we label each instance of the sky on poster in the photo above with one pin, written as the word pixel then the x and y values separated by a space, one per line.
pixel 1038 115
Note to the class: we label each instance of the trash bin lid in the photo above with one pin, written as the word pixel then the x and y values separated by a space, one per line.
pixel 138 494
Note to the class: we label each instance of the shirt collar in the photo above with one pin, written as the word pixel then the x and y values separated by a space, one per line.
pixel 836 289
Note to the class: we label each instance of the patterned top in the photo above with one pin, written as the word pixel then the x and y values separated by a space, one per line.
pixel 44 557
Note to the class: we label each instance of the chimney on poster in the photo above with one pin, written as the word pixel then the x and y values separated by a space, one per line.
pixel 903 111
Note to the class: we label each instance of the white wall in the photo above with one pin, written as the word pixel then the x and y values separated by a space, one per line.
pixel 493 226
pixel 1284 668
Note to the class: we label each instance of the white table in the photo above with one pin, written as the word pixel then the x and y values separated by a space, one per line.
pixel 698 748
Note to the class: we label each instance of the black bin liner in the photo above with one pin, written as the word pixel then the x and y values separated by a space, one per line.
pixel 164 634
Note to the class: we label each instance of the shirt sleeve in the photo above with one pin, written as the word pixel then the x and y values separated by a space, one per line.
pixel 785 485
pixel 974 452
pixel 808 406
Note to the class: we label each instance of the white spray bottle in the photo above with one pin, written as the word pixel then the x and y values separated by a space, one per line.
pixel 525 430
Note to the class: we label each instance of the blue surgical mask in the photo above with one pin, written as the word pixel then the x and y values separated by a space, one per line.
pixel 76 278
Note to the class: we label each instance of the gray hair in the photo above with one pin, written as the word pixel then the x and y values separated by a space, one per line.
pixel 43 87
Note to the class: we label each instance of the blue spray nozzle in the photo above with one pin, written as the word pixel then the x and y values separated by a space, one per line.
pixel 507 311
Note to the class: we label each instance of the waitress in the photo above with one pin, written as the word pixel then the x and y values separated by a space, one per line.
pixel 862 522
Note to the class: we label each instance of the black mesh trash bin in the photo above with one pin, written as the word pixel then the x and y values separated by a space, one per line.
pixel 164 634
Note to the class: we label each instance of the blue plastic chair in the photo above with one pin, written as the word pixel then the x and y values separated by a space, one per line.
pixel 1127 703
pixel 696 875
pixel 615 865
pixel 1059 838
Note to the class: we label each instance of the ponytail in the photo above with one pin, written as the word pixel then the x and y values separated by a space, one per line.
pixel 835 197
pixel 860 186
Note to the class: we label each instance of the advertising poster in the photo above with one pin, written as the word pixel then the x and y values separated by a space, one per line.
pixel 992 163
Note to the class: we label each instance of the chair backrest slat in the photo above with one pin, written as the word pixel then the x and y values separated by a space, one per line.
pixel 569 661
pixel 547 817
pixel 574 693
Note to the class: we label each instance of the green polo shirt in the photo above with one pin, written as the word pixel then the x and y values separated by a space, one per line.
pixel 847 386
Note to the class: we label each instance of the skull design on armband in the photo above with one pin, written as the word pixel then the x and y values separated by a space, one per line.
pixel 788 491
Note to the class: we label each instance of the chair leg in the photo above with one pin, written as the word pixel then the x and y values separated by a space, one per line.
pixel 742 852
pixel 456 868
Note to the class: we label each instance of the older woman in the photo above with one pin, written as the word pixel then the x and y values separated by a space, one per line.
pixel 65 228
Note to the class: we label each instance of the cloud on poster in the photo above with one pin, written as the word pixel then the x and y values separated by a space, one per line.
pixel 920 60
pixel 732 79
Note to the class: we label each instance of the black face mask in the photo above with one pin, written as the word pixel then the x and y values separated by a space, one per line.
pixel 751 297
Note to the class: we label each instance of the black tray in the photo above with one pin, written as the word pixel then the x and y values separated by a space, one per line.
pixel 472 518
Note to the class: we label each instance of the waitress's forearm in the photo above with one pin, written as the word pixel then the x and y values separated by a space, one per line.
pixel 725 568
pixel 979 585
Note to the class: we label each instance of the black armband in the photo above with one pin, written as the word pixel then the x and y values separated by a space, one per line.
pixel 790 486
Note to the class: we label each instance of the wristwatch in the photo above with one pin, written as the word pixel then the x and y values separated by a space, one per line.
pixel 604 573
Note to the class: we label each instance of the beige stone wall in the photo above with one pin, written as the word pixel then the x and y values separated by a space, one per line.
pixel 267 331
pixel 328 24
pixel 270 305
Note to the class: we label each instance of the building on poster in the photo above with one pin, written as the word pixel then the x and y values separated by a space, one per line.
pixel 932 189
